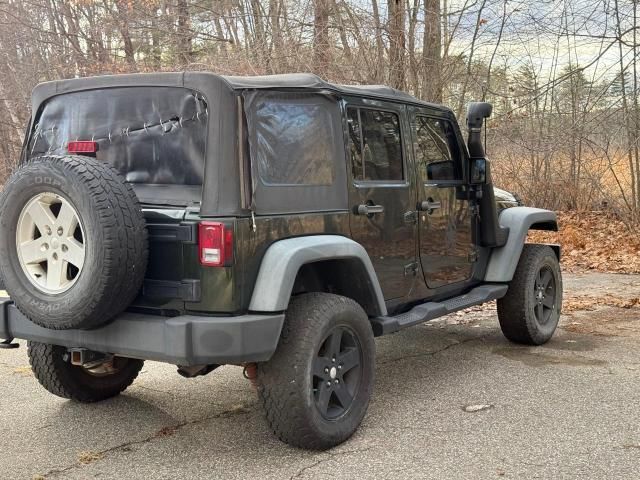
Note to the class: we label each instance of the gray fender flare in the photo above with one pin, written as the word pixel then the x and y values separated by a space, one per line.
pixel 283 260
pixel 504 260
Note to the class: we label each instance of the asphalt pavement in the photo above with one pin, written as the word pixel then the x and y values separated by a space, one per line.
pixel 453 399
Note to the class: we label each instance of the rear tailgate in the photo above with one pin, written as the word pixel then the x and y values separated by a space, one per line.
pixel 165 285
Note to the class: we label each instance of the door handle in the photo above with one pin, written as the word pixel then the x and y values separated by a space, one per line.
pixel 429 206
pixel 366 209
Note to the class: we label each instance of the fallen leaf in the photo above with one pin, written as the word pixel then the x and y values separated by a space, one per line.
pixel 477 408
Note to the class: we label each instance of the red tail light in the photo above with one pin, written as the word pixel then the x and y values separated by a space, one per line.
pixel 216 244
pixel 82 147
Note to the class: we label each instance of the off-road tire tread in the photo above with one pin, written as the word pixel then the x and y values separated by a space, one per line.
pixel 51 372
pixel 284 409
pixel 517 321
pixel 119 211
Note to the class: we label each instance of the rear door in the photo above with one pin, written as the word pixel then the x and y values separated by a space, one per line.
pixel 445 233
pixel 381 196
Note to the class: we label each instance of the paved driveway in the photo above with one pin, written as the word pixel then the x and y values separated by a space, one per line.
pixel 453 399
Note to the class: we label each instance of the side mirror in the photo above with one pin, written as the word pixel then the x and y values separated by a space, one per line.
pixel 441 171
pixel 478 171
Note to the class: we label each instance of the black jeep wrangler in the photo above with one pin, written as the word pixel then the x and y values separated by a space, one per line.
pixel 279 223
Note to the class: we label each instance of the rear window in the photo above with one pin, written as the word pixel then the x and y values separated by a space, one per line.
pixel 152 135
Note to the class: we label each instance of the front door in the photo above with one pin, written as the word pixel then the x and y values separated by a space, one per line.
pixel 446 242
pixel 381 194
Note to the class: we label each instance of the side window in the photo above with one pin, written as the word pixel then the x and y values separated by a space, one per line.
pixel 375 146
pixel 295 140
pixel 436 149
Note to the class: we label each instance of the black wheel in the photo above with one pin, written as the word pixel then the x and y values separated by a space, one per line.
pixel 530 311
pixel 316 388
pixel 73 244
pixel 51 367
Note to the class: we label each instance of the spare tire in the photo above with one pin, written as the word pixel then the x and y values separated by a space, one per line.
pixel 73 242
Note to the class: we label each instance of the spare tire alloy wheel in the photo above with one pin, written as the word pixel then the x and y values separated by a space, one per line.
pixel 73 242
pixel 50 243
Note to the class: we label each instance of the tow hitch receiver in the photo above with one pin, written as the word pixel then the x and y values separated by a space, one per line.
pixel 82 357
pixel 8 344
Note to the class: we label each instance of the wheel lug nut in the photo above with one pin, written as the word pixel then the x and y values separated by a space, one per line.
pixel 60 231
pixel 336 381
pixel 326 370
pixel 339 367
pixel 328 384
pixel 64 248
pixel 333 359
pixel 47 229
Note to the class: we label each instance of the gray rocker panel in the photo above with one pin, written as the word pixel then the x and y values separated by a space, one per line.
pixel 284 258
pixel 519 220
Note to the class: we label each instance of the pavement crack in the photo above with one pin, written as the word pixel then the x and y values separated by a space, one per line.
pixel 326 456
pixel 154 390
pixel 164 432
pixel 431 353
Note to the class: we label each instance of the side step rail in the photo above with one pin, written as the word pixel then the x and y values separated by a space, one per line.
pixel 432 310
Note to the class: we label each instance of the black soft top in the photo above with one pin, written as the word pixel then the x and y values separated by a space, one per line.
pixel 221 93
pixel 313 82
pixel 205 82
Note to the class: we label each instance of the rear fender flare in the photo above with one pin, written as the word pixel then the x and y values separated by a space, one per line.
pixel 519 220
pixel 284 258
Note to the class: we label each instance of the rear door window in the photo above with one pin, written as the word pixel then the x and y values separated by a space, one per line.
pixel 375 145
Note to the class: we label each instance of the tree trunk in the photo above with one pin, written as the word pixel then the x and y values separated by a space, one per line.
pixel 378 74
pixel 185 46
pixel 397 38
pixel 321 46
pixel 432 53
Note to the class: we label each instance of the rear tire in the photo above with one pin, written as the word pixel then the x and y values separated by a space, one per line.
pixel 73 382
pixel 530 311
pixel 316 388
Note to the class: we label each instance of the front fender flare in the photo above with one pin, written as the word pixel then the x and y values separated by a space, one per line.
pixel 519 220
pixel 283 260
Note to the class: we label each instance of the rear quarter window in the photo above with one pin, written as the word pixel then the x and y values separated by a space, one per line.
pixel 296 150
pixel 294 140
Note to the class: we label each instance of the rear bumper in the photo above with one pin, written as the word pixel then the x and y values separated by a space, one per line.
pixel 184 340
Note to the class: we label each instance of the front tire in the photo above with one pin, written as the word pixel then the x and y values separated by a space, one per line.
pixel 316 388
pixel 65 380
pixel 530 311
